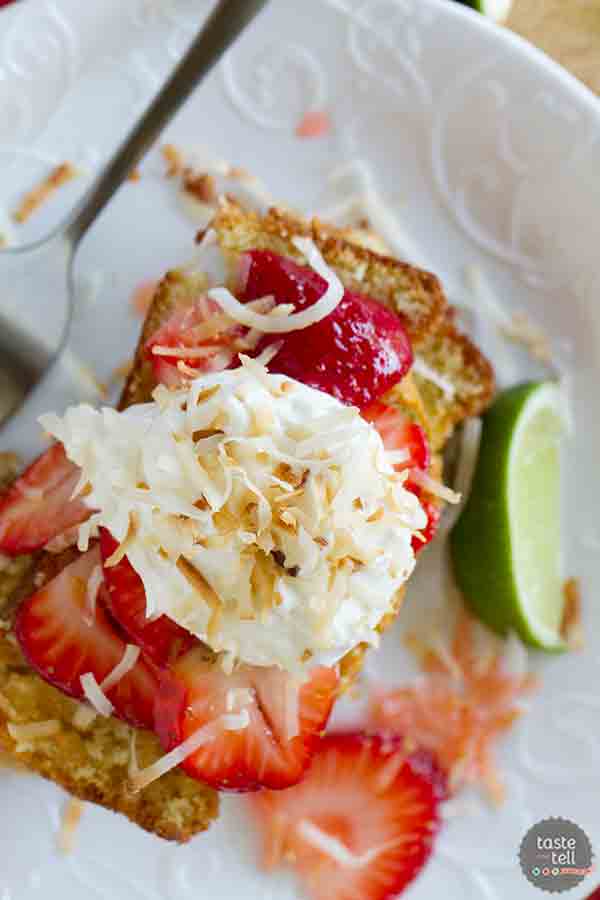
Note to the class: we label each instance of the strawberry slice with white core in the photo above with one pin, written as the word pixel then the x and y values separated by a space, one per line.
pixel 356 353
pixel 362 823
pixel 162 639
pixel 398 432
pixel 284 721
pixel 38 507
pixel 199 338
pixel 63 637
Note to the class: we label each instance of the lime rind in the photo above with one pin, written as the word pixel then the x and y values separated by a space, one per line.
pixel 494 578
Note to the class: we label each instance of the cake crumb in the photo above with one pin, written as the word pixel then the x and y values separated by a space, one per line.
pixel 37 196
pixel 134 175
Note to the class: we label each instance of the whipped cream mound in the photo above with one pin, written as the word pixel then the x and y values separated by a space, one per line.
pixel 262 515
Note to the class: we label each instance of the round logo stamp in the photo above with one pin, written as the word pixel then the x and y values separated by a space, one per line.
pixel 555 855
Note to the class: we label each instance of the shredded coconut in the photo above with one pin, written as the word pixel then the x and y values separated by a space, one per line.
pixel 141 778
pixel 130 658
pixel 91 593
pixel 270 324
pixel 33 730
pixel 95 695
pixel 42 192
pixel 422 368
pixel 522 330
pixel 270 521
pixel 335 849
pixel 434 487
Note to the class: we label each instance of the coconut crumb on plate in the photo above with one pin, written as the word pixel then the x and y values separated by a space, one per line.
pixel 38 195
pixel 522 330
pixel 200 185
pixel 572 626
pixel 71 817
pixel 174 160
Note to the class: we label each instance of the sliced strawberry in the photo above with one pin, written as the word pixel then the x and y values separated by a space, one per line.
pixel 355 354
pixel 38 506
pixel 398 432
pixel 62 641
pixel 186 328
pixel 260 755
pixel 361 824
pixel 162 639
pixel 433 511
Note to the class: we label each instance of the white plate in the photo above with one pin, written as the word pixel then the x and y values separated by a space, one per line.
pixel 489 154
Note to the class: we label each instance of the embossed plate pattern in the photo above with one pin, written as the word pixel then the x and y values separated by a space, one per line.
pixel 488 154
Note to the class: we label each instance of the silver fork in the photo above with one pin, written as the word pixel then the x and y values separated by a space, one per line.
pixel 31 338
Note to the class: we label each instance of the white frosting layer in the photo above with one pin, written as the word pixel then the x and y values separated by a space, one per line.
pixel 262 515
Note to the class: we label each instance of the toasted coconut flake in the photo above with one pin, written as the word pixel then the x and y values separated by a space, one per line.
pixel 174 160
pixel 200 185
pixel 571 626
pixel 42 192
pixel 432 486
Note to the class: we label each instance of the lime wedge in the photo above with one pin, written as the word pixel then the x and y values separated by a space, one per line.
pixel 506 545
pixel 497 10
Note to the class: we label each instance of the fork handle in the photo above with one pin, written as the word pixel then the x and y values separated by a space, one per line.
pixel 225 23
